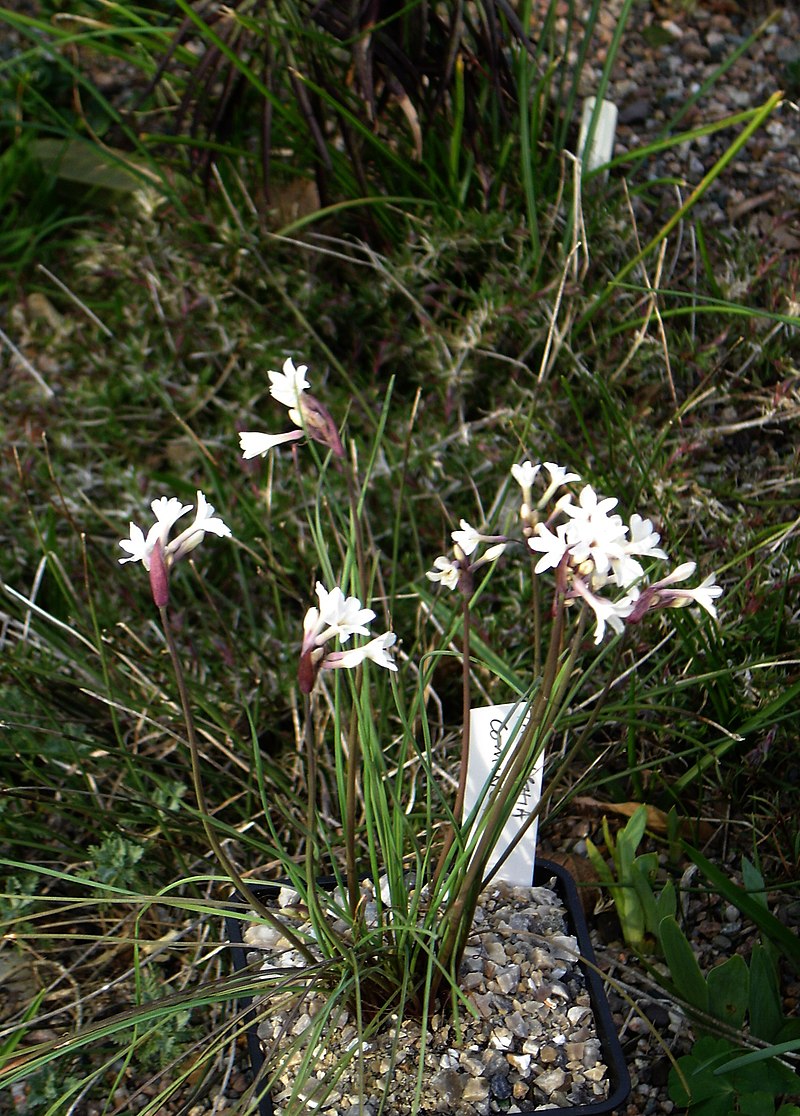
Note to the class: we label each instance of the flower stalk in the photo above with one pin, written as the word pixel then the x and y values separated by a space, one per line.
pixel 224 861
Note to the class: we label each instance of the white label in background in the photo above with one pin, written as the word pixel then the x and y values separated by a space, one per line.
pixel 490 730
pixel 601 149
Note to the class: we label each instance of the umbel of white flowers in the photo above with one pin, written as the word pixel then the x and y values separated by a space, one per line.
pixel 339 617
pixel 290 387
pixel 593 553
pixel 157 552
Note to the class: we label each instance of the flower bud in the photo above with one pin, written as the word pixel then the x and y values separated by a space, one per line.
pixel 159 576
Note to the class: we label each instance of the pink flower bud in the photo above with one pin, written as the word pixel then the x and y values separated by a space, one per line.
pixel 159 576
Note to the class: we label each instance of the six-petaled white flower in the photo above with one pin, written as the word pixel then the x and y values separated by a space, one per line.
pixel 552 545
pixel 288 386
pixel 338 617
pixel 446 571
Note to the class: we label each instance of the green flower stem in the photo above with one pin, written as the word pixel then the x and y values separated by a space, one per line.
pixel 319 919
pixel 457 920
pixel 353 761
pixel 554 706
pixel 222 857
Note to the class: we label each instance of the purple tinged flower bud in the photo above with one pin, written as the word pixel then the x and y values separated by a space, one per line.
pixel 159 576
pixel 319 425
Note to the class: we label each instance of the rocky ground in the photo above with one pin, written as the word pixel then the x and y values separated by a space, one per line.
pixel 662 79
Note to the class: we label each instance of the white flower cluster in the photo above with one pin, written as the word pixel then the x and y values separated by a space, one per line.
pixel 168 511
pixel 597 550
pixel 589 547
pixel 457 571
pixel 290 387
pixel 339 617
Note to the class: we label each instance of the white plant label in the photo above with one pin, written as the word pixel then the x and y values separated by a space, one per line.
pixel 601 149
pixel 490 731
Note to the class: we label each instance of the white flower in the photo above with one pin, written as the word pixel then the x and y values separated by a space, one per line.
pixel 608 612
pixel 558 477
pixel 446 571
pixel 288 386
pixel 661 594
pixel 377 650
pixel 552 546
pixel 340 616
pixel 337 615
pixel 168 511
pixel 588 505
pixel 596 539
pixel 255 444
pixel 206 522
pixel 704 595
pixel 467 538
pixel 307 413
pixel 643 540
pixel 525 474
pixel 137 547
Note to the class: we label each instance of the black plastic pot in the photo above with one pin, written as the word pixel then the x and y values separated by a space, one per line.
pixel 544 871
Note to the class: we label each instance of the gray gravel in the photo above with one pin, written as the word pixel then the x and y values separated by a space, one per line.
pixel 669 53
pixel 531 1041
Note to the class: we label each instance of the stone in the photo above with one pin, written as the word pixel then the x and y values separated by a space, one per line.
pixel 550 1081
pixel 500 1087
pixel 448 1085
pixel 521 1063
pixel 475 1090
pixel 508 979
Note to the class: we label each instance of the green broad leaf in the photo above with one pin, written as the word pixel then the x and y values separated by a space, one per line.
pixel 699 1083
pixel 631 836
pixel 790 1031
pixel 729 991
pixel 753 882
pixel 766 1009
pixel 684 970
pixel 788 1110
pixel 768 1078
pixel 640 877
pixel 666 903
pixel 599 864
pixel 756 1104
pixel 657 36
pixel 781 936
